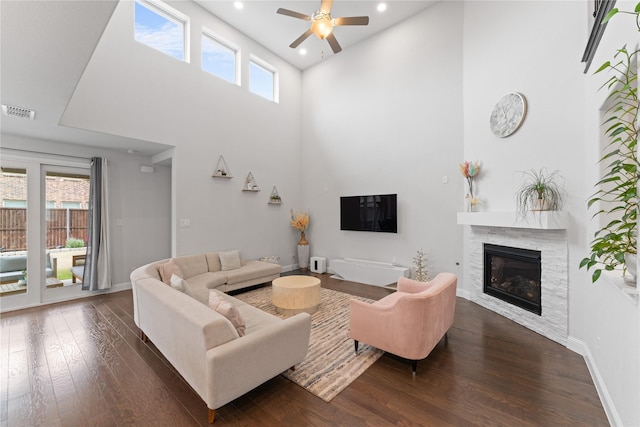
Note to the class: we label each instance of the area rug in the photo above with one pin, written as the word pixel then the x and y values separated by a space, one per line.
pixel 331 363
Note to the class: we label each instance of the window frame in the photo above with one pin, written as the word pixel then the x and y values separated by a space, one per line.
pixel 171 14
pixel 227 44
pixel 261 63
pixel 14 203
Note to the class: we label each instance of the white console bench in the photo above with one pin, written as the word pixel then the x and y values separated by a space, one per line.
pixel 368 272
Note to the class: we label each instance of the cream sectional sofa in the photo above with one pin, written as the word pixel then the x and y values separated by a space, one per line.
pixel 203 345
pixel 206 271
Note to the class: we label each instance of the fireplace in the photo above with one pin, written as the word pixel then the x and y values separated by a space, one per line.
pixel 513 275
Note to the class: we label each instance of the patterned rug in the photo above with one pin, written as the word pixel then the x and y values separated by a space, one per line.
pixel 331 363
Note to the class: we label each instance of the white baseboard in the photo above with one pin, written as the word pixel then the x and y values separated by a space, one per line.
pixel 581 348
pixel 120 287
pixel 286 268
pixel 463 293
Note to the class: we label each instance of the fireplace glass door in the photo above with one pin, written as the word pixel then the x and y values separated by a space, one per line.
pixel 513 275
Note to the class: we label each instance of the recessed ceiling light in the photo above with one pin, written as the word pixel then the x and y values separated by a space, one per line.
pixel 238 5
pixel 382 7
pixel 303 51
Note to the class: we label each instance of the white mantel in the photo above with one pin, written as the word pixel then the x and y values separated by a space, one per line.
pixel 545 220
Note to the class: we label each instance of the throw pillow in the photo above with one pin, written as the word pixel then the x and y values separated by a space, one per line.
pixel 230 260
pixel 167 270
pixel 181 285
pixel 225 308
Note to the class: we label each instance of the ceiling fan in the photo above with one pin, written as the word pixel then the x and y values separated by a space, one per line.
pixel 322 24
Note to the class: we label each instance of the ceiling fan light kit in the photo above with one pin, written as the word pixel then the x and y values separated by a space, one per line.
pixel 322 24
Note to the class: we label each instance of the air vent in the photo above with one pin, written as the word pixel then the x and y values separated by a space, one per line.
pixel 19 112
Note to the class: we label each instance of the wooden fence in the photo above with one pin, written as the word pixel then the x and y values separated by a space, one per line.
pixel 62 224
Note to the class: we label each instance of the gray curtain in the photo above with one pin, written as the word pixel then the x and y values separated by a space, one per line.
pixel 97 269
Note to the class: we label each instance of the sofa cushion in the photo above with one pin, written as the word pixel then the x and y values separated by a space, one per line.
pixel 167 270
pixel 208 280
pixel 181 285
pixel 224 307
pixel 13 263
pixel 252 270
pixel 254 318
pixel 230 260
pixel 213 261
pixel 192 265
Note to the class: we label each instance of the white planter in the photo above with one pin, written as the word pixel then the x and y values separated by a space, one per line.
pixel 303 257
pixel 631 263
pixel 540 205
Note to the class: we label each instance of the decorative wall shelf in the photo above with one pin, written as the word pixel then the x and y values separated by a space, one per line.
pixel 274 198
pixel 545 220
pixel 222 170
pixel 250 184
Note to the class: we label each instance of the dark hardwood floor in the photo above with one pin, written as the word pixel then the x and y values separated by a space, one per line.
pixel 82 363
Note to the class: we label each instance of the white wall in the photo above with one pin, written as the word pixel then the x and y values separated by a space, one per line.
pixel 535 48
pixel 140 202
pixel 386 117
pixel 154 97
pixel 606 320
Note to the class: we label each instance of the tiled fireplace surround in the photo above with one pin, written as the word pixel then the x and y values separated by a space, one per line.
pixel 552 243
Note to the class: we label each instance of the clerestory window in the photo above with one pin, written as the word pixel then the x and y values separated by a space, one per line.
pixel 162 27
pixel 220 58
pixel 263 79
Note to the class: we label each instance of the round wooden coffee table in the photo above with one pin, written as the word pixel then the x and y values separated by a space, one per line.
pixel 294 294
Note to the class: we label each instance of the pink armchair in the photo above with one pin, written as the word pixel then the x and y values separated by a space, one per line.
pixel 410 322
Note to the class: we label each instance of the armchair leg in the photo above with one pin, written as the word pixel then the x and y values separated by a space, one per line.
pixel 355 344
pixel 212 415
pixel 414 366
pixel 143 336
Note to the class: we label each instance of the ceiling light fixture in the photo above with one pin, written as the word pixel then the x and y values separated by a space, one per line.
pixel 303 51
pixel 322 24
pixel 382 7
pixel 238 5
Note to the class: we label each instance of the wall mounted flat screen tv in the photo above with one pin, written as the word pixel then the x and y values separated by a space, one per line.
pixel 369 213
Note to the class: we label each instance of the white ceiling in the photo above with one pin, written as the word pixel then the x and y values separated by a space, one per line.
pixel 46 45
pixel 258 20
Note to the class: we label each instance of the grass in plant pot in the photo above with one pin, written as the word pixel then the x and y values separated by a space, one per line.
pixel 539 191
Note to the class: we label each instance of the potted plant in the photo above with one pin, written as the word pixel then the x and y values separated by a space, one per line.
pixel 539 192
pixel 615 244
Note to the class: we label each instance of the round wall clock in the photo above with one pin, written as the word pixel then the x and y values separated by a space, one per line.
pixel 508 114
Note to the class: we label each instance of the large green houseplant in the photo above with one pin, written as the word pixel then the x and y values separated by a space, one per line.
pixel 616 197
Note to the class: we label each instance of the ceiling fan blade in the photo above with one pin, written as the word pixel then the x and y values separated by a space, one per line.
pixel 293 14
pixel 334 43
pixel 353 20
pixel 300 39
pixel 325 6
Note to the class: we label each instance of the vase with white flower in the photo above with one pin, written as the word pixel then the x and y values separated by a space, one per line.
pixel 300 221
pixel 470 170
